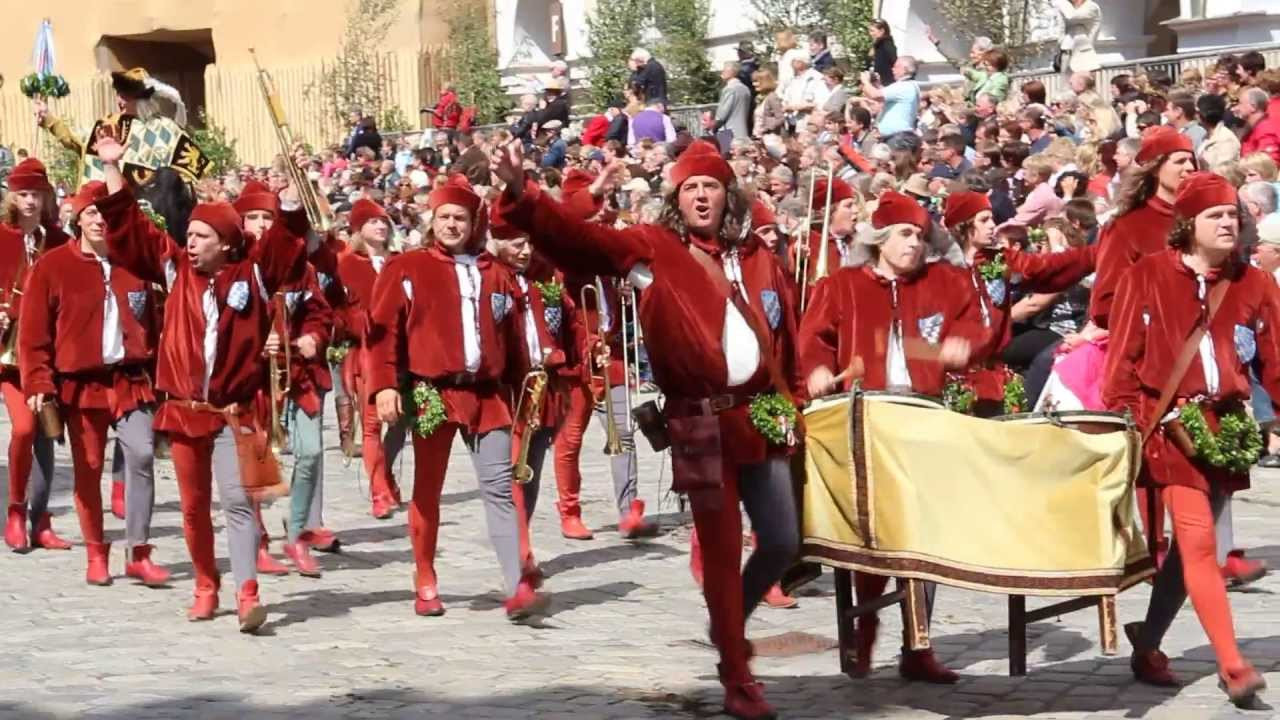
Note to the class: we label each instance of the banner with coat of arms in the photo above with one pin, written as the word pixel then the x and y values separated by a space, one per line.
pixel 149 145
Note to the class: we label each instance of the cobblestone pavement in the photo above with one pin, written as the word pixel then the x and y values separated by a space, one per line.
pixel 620 640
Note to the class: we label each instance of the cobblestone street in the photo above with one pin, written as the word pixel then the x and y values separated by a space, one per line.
pixel 622 639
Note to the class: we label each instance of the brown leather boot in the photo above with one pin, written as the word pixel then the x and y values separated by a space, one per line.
pixel 346 426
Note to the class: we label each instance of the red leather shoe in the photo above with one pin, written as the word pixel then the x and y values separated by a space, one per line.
pixel 117 498
pixel 775 598
pixel 525 602
pixel 43 536
pixel 923 665
pixel 299 553
pixel 1241 685
pixel 324 540
pixel 571 525
pixel 1151 667
pixel 746 701
pixel 427 603
pixel 383 506
pixel 633 525
pixel 138 565
pixel 204 604
pixel 533 573
pixel 865 643
pixel 1239 570
pixel 15 528
pixel 98 572
pixel 268 565
pixel 248 607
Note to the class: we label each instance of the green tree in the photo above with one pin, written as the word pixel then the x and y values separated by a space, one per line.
pixel 1018 26
pixel 473 60
pixel 613 31
pixel 844 21
pixel 212 140
pixel 62 163
pixel 351 80
pixel 683 24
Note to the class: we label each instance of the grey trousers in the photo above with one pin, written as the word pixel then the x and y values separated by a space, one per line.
pixel 200 463
pixel 491 458
pixel 40 481
pixel 623 466
pixel 765 490
pixel 1169 591
pixel 307 444
pixel 135 446
pixel 538 448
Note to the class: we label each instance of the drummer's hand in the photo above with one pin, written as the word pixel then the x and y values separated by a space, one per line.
pixel 35 401
pixel 388 402
pixel 954 354
pixel 307 346
pixel 821 382
pixel 273 344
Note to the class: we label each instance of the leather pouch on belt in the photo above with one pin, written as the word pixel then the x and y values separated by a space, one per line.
pixel 697 462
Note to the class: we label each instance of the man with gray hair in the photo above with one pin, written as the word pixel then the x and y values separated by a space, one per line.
pixel 734 111
pixel 1259 199
pixel 1263 132
pixel 649 75
pixel 782 183
pixel 901 99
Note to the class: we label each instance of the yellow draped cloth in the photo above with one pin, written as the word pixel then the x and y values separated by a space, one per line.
pixel 898 486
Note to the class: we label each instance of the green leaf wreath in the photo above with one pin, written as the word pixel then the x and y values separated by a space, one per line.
pixel 424 407
pixel 774 417
pixel 1237 444
pixel 994 269
pixel 49 86
pixel 1015 395
pixel 156 218
pixel 552 292
pixel 338 352
pixel 958 395
pixel 1037 235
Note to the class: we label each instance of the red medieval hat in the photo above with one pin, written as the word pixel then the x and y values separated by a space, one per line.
pixel 961 207
pixel 1160 141
pixel 256 196
pixel 575 194
pixel 840 191
pixel 898 209
pixel 761 216
pixel 701 158
pixel 224 220
pixel 456 190
pixel 364 210
pixel 1201 191
pixel 89 193
pixel 499 228
pixel 29 175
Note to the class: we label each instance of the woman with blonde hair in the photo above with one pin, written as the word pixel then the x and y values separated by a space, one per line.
pixel 769 115
pixel 1259 166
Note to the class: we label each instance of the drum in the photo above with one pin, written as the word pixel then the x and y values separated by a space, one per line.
pixel 1092 422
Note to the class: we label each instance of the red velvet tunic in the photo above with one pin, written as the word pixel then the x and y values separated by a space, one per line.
pixel 14 267
pixel 1121 243
pixel 415 324
pixel 851 315
pixel 240 289
pixel 308 314
pixel 324 260
pixel 60 345
pixel 356 275
pixel 1156 307
pixel 680 321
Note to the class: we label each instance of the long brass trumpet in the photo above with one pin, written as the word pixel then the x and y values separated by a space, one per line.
pixel 279 373
pixel 613 443
pixel 529 409
pixel 820 268
pixel 630 312
pixel 802 232
pixel 317 207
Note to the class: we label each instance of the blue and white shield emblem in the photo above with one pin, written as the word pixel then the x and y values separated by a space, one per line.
pixel 138 303
pixel 1246 344
pixel 772 308
pixel 324 279
pixel 931 328
pixel 499 303
pixel 238 295
pixel 291 299
pixel 553 315
pixel 997 290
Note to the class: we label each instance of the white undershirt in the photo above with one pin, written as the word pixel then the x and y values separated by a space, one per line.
pixel 378 261
pixel 209 303
pixel 469 291
pixel 896 373
pixel 1207 359
pixel 112 334
pixel 531 341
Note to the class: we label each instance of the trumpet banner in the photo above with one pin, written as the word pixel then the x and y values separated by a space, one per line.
pixel 1030 508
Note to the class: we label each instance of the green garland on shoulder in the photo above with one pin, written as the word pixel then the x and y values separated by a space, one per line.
pixel 425 408
pixel 1237 444
pixel 958 395
pixel 552 292
pixel 774 417
pixel 156 218
pixel 1015 395
pixel 993 269
pixel 338 352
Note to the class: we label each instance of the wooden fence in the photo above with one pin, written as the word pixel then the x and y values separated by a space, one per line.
pixel 403 79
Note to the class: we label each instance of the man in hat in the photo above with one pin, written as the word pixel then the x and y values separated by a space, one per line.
pixel 87 345
pixel 838 220
pixel 554 156
pixel 210 364
pixel 28 228
pixel 727 306
pixel 136 92
pixel 456 308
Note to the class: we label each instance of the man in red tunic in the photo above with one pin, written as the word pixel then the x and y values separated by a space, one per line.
pixel 895 323
pixel 86 345
pixel 210 362
pixel 1160 309
pixel 447 317
pixel 29 227
pixel 723 307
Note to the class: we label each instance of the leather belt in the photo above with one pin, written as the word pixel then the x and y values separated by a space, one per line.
pixel 685 407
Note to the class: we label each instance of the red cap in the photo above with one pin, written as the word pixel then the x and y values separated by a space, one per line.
pixel 898 209
pixel 256 196
pixel 575 194
pixel 29 175
pixel 964 206
pixel 701 158
pixel 89 193
pixel 364 210
pixel 840 191
pixel 456 191
pixel 1201 191
pixel 1161 140
pixel 499 228
pixel 761 216
pixel 223 219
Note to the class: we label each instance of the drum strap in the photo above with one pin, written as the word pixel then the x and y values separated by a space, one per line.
pixel 1183 362
pixel 722 286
